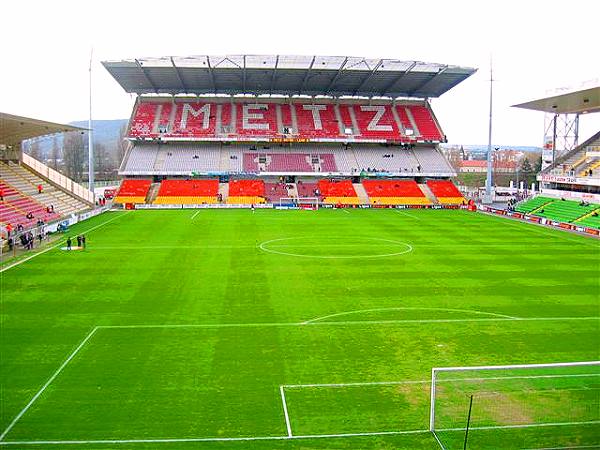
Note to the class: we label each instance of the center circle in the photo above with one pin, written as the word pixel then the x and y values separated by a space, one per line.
pixel 290 247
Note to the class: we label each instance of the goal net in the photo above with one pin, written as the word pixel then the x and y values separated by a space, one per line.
pixel 516 406
pixel 305 202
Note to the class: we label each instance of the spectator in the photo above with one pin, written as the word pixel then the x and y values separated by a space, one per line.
pixel 40 188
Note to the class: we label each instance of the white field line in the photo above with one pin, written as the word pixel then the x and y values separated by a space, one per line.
pixel 407 214
pixel 447 380
pixel 346 211
pixel 61 241
pixel 409 308
pixel 356 322
pixel 565 448
pixel 214 439
pixel 285 412
pixel 195 214
pixel 50 380
pixel 530 425
pixel 438 440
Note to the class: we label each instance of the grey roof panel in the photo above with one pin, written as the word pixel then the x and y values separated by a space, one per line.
pixel 286 75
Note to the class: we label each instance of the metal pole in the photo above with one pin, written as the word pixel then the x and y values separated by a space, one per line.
pixel 488 181
pixel 468 423
pixel 554 132
pixel 90 138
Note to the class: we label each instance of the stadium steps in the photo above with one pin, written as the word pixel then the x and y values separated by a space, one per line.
pixel 159 162
pixel 292 190
pixel 361 193
pixel 152 193
pixel 413 122
pixel 224 189
pixel 565 210
pixel 589 220
pixel 534 204
pixel 592 166
pixel 224 162
pixel 27 182
pixel 432 198
pixel 588 215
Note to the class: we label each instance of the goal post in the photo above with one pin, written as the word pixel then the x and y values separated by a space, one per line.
pixel 302 202
pixel 545 405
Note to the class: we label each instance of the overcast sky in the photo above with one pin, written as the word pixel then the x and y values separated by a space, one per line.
pixel 537 46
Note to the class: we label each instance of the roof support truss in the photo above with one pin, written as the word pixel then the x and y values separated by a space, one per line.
pixel 146 76
pixel 429 81
pixel 397 79
pixel 211 74
pixel 337 75
pixel 368 77
pixel 307 75
pixel 179 77
pixel 273 75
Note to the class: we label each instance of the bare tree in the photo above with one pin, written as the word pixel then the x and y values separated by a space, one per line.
pixel 54 154
pixel 74 155
pixel 34 149
pixel 122 144
pixel 102 160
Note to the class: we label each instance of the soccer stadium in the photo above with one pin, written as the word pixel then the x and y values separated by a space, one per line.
pixel 288 264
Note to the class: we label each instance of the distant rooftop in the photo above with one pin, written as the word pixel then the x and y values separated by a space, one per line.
pixel 287 75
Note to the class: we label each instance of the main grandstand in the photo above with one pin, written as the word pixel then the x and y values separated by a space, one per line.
pixel 273 128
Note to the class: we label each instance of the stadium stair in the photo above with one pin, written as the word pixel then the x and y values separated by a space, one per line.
pixel 593 213
pixel 591 219
pixel 362 194
pixel 532 205
pixel 224 190
pixel 593 166
pixel 292 190
pixel 26 182
pixel 565 210
pixel 152 193
pixel 425 189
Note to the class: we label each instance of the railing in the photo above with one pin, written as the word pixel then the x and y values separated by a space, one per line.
pixel 59 179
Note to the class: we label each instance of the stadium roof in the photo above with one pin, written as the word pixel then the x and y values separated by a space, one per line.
pixel 585 100
pixel 286 75
pixel 14 129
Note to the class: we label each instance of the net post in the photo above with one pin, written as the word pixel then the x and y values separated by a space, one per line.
pixel 468 423
pixel 432 406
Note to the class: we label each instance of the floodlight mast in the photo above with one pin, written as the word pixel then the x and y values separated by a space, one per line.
pixel 488 180
pixel 90 138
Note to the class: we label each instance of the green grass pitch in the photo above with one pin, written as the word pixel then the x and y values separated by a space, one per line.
pixel 193 327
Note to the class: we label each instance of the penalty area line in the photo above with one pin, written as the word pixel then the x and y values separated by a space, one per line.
pixel 195 214
pixel 50 380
